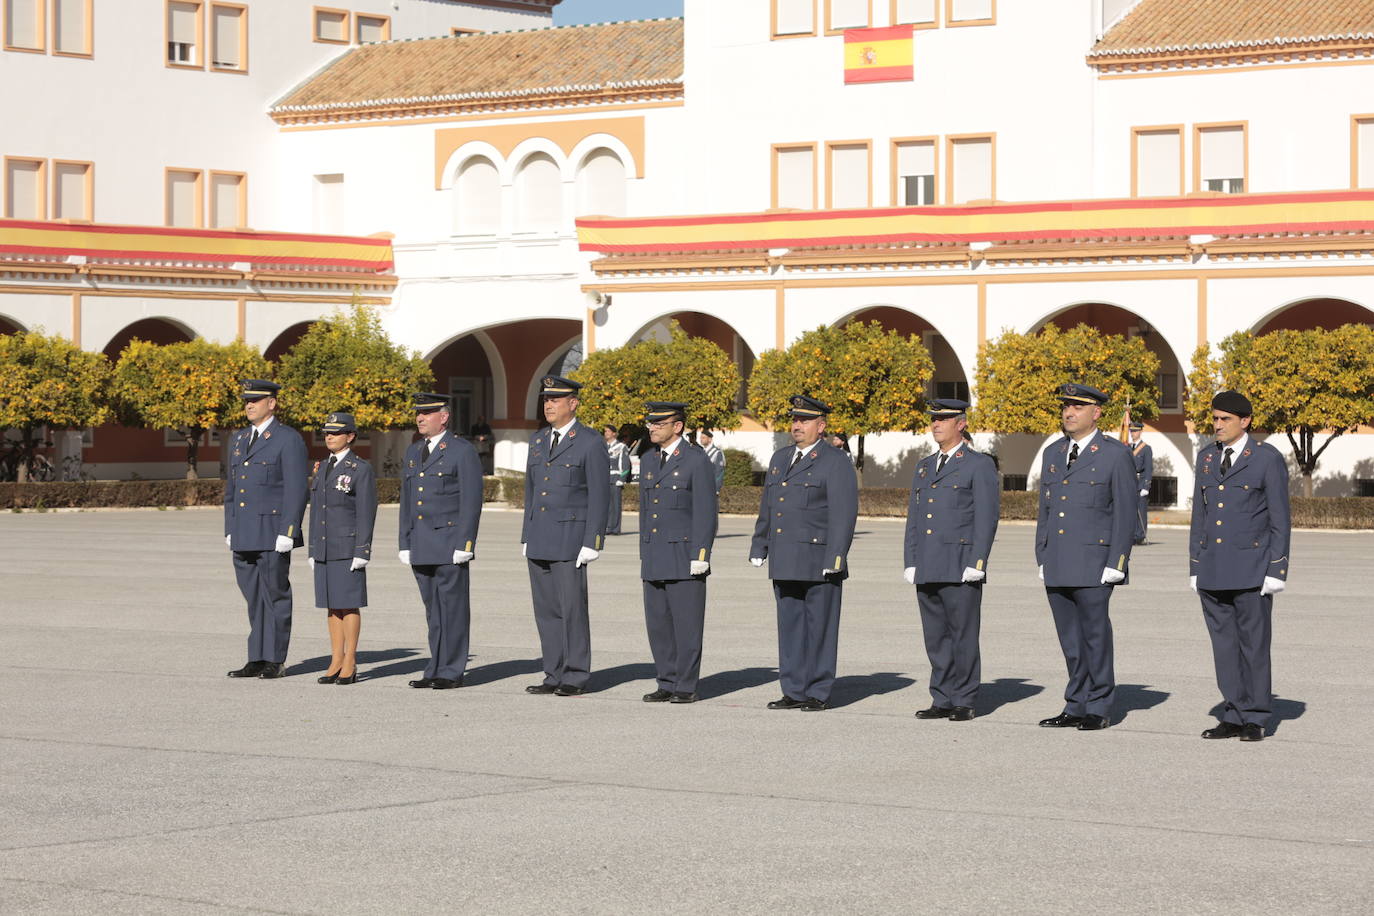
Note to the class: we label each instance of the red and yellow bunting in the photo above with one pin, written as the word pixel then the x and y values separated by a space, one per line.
pixel 879 55
pixel 1302 212
pixel 195 246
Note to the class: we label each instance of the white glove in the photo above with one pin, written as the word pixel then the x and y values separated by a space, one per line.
pixel 830 572
pixel 1192 582
pixel 357 564
pixel 461 556
pixel 1042 572
pixel 974 575
pixel 311 561
pixel 1144 492
pixel 229 540
pixel 1112 576
pixel 756 561
pixel 700 567
pixel 585 555
pixel 405 557
pixel 524 548
pixel 1272 586
pixel 284 544
pixel 909 574
pixel 620 483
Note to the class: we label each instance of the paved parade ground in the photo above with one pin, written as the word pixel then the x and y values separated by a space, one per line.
pixel 137 778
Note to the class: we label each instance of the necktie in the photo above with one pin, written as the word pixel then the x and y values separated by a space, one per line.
pixel 424 452
pixel 554 444
pixel 253 439
pixel 796 459
pixel 1226 461
pixel 1073 454
pixel 333 459
pixel 662 457
pixel 940 465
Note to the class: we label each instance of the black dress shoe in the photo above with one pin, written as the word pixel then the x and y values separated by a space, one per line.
pixel 567 690
pixel 252 669
pixel 351 679
pixel 683 698
pixel 935 712
pixel 1093 723
pixel 786 703
pixel 1250 731
pixel 540 688
pixel 1063 720
pixel 272 670
pixel 422 682
pixel 446 683
pixel 328 678
pixel 811 704
pixel 1224 730
pixel 658 696
pixel 961 714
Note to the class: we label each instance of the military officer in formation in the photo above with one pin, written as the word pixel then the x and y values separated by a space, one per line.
pixel 567 484
pixel 951 521
pixel 1238 551
pixel 343 510
pixel 1083 538
pixel 264 500
pixel 707 440
pixel 441 506
pixel 618 456
pixel 805 526
pixel 1144 459
pixel 677 527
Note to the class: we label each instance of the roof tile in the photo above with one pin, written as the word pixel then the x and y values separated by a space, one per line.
pixel 1156 26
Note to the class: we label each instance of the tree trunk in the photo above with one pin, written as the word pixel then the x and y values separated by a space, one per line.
pixel 859 461
pixel 24 451
pixel 192 450
pixel 1307 484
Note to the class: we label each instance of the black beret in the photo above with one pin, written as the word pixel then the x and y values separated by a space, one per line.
pixel 1232 402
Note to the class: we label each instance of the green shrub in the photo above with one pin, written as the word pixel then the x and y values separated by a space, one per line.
pixel 1333 512
pixel 739 468
pixel 1020 504
pixel 513 490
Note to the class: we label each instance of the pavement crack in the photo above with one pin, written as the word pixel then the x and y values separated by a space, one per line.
pixel 139 895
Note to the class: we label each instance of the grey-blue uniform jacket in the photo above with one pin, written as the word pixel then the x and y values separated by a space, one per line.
pixel 677 513
pixel 807 514
pixel 1087 512
pixel 1241 523
pixel 264 495
pixel 567 494
pixel 951 518
pixel 441 501
pixel 1144 459
pixel 343 509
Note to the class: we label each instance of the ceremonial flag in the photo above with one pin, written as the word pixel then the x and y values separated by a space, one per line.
pixel 879 55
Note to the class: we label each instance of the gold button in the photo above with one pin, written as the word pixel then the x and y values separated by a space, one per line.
pixel 779 515
pixel 422 489
pixel 934 485
pixel 1063 497
pixel 653 531
pixel 542 508
pixel 241 505
pixel 655 502
pixel 243 491
pixel 784 483
pixel 814 540
pixel 1218 521
pixel 1221 486
pixel 419 502
pixel 245 464
pixel 779 531
pixel 419 516
pixel 655 515
pixel 930 515
pixel 930 500
pixel 422 473
pixel 546 478
pixel 1061 514
pixel 1061 530
pixel 782 499
pixel 928 531
pixel 1218 540
pixel 1221 505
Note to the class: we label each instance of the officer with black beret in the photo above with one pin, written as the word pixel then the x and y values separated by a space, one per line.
pixel 1238 551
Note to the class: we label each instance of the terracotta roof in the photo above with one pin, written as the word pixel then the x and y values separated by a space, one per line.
pixel 1162 26
pixel 494 69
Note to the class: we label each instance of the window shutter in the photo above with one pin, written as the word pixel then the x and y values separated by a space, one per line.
pixel 1223 153
pixel 849 176
pixel 224 201
pixel 848 14
pixel 795 16
pixel 23 190
pixel 70 27
pixel 225 25
pixel 182 23
pixel 797 178
pixel 1364 146
pixel 916 11
pixel 963 10
pixel 972 165
pixel 70 187
pixel 1157 163
pixel 181 198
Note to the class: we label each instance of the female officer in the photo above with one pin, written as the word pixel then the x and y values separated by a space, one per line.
pixel 343 508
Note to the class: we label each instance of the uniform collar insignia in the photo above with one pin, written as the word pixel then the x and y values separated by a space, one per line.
pixel 923 472
pixel 1244 453
pixel 1092 448
pixel 267 435
pixel 1207 457
pixel 1052 469
pixel 443 444
pixel 959 454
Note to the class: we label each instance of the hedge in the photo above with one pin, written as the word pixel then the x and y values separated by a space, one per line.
pixel 128 494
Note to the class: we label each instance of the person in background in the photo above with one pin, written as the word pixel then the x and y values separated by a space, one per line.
pixel 1143 456
pixel 707 440
pixel 619 458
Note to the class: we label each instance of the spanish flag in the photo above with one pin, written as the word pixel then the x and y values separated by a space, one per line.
pixel 879 55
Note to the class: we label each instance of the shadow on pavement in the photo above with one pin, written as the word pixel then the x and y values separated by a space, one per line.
pixel 607 678
pixel 993 695
pixel 1130 697
pixel 724 682
pixel 414 662
pixel 855 687
pixel 1280 711
pixel 321 662
pixel 496 671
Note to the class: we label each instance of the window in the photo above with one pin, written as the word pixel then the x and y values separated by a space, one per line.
pixel 920 13
pixel 538 195
pixel 950 390
pixel 458 30
pixel 330 25
pixel 1362 151
pixel 1219 158
pixel 971 164
pixel 183 33
pixel 24 25
pixel 847 14
pixel 26 187
pixel 1167 383
pixel 229 37
pixel 913 172
pixel 71 27
pixel 794 17
pixel 1157 161
pixel 477 198
pixel 970 12
pixel 371 28
pixel 1012 483
pixel 328 203
pixel 182 206
pixel 72 190
pixel 794 177
pixel 601 185
pixel 228 200
pixel 848 175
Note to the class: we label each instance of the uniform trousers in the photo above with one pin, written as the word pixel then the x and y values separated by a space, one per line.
pixel 559 590
pixel 444 590
pixel 615 509
pixel 1240 622
pixel 808 636
pixel 951 614
pixel 264 578
pixel 1142 517
pixel 1085 635
pixel 675 616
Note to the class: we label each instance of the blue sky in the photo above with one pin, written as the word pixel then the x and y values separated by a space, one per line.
pixel 573 12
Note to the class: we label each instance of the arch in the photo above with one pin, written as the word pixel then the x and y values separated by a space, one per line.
pixel 9 326
pixel 543 368
pixel 1316 312
pixel 718 331
pixel 286 340
pixel 950 379
pixel 159 330
pixel 463 369
pixel 601 189
pixel 471 150
pixel 539 194
pixel 477 197
pixel 532 146
pixel 593 142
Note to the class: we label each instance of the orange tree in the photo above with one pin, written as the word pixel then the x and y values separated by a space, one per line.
pixel 49 381
pixel 873 379
pixel 192 386
pixel 1303 383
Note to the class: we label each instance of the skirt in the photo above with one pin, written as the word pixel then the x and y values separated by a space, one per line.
pixel 337 587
